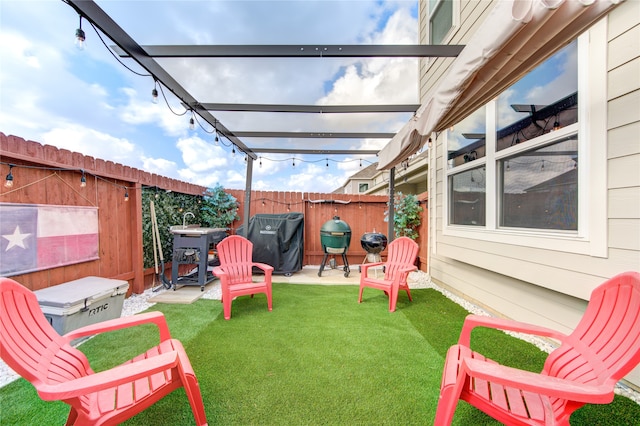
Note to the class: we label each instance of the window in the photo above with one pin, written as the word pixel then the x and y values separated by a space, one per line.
pixel 528 167
pixel 468 194
pixel 442 19
pixel 363 187
pixel 540 187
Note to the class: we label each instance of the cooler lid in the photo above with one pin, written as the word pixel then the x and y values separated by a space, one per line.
pixel 81 292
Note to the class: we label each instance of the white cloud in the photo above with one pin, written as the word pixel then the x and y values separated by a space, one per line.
pixel 200 156
pixel 160 166
pixel 88 102
pixel 94 143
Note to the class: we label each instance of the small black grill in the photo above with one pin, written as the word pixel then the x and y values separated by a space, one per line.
pixel 335 237
pixel 373 242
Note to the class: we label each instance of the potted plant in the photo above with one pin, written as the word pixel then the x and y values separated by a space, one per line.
pixel 219 209
pixel 406 217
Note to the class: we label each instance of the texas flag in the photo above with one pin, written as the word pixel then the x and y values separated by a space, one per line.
pixel 36 237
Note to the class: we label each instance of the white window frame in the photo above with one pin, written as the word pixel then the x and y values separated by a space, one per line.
pixel 591 236
pixel 455 20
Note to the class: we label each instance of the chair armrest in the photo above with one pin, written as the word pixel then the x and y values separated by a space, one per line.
pixel 218 271
pixel 473 321
pixel 365 267
pixel 537 383
pixel 263 266
pixel 156 318
pixel 125 373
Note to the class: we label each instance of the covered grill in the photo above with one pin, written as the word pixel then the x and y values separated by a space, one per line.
pixel 335 237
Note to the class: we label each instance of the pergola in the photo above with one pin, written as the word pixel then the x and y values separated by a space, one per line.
pixel 146 56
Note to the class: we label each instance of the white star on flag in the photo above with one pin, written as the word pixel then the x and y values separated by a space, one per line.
pixel 16 239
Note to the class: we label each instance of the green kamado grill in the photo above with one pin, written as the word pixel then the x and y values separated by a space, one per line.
pixel 335 236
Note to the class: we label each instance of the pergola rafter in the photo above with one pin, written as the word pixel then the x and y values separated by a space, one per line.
pixel 126 46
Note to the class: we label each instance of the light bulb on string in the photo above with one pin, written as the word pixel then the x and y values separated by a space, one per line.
pixel 83 180
pixel 361 162
pixel 154 92
pixel 327 163
pixel 233 151
pixel 260 161
pixel 126 194
pixel 80 37
pixel 192 122
pixel 9 179
pixel 294 162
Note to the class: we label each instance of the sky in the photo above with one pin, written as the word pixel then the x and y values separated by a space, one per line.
pixel 86 101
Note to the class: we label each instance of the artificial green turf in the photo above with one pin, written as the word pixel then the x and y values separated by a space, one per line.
pixel 318 358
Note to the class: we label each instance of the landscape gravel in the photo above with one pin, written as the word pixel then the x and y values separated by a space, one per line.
pixel 140 302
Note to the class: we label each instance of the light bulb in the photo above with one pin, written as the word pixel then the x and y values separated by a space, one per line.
pixel 233 151
pixel 9 179
pixel 80 37
pixel 154 95
pixel 192 124
pixel 126 195
pixel 83 181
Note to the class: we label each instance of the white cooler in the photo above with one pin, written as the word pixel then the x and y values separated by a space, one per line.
pixel 82 302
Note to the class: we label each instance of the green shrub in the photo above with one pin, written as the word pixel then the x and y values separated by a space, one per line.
pixel 406 217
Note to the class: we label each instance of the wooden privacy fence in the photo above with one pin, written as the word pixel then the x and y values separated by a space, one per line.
pixel 363 213
pixel 46 175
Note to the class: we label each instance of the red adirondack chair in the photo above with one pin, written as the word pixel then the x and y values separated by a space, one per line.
pixel 603 348
pixel 236 272
pixel 400 261
pixel 58 371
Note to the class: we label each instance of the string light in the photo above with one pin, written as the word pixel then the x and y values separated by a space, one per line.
pixel 154 92
pixel 327 163
pixel 80 36
pixel 294 163
pixel 233 151
pixel 542 165
pixel 192 122
pixel 260 161
pixel 361 162
pixel 9 179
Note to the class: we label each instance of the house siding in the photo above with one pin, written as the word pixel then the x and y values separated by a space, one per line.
pixel 550 287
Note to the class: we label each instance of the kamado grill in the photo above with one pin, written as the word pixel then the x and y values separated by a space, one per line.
pixel 335 236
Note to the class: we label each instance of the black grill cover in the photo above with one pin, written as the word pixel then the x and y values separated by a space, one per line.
pixel 277 240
